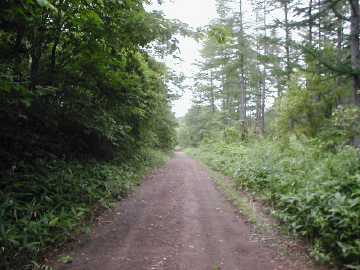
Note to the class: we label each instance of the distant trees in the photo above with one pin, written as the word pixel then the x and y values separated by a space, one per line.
pixel 297 65
pixel 294 59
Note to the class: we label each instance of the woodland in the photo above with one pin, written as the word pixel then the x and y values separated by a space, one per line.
pixel 277 108
pixel 85 112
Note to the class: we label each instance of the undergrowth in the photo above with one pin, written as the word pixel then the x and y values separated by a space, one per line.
pixel 315 193
pixel 42 206
pixel 242 204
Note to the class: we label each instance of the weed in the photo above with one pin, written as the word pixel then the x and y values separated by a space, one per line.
pixel 65 259
pixel 42 208
pixel 315 193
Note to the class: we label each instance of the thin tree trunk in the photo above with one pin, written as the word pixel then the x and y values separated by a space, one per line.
pixel 310 34
pixel 339 41
pixel 53 61
pixel 37 43
pixel 242 66
pixel 355 56
pixel 224 96
pixel 287 39
pixel 263 94
pixel 319 24
pixel 35 64
pixel 18 54
pixel 355 50
pixel 259 83
pixel 212 94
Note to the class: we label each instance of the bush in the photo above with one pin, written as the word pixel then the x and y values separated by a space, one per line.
pixel 316 193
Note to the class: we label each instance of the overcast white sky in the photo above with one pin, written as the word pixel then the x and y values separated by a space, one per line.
pixel 196 13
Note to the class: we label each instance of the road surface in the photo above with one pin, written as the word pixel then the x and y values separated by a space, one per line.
pixel 176 220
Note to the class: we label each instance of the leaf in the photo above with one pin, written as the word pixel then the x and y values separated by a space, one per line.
pixel 47 4
pixel 65 259
pixel 54 221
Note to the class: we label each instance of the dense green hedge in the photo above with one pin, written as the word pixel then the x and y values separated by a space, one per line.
pixel 45 207
pixel 315 193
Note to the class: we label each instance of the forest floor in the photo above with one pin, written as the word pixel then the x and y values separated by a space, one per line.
pixel 177 219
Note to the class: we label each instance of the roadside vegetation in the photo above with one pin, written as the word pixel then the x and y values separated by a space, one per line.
pixel 276 108
pixel 84 112
pixel 315 194
pixel 47 206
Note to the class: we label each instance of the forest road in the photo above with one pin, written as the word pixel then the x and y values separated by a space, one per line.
pixel 177 219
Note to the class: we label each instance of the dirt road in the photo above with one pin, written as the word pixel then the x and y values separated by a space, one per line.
pixel 176 220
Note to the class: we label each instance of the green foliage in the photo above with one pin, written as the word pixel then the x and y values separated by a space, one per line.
pixel 220 33
pixel 231 135
pixel 42 208
pixel 304 111
pixel 76 80
pixel 199 124
pixel 315 193
pixel 299 92
pixel 81 103
pixel 343 127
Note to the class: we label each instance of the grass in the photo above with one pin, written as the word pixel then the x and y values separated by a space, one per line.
pixel 241 203
pixel 43 207
pixel 315 193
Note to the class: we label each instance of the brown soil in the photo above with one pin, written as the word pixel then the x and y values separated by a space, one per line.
pixel 176 220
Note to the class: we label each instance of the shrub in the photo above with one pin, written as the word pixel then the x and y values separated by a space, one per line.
pixel 42 206
pixel 316 193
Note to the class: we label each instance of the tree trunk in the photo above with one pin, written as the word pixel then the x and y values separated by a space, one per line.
pixel 18 54
pixel 212 94
pixel 310 23
pixel 355 50
pixel 58 31
pixel 224 95
pixel 263 93
pixel 35 64
pixel 339 41
pixel 37 43
pixel 287 39
pixel 319 24
pixel 242 108
pixel 53 61
pixel 259 86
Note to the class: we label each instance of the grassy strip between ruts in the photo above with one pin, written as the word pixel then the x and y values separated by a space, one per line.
pixel 314 193
pixel 48 207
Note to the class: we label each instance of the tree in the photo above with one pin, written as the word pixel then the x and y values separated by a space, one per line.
pixel 355 49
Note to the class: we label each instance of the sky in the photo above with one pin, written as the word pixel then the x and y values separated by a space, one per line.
pixel 195 13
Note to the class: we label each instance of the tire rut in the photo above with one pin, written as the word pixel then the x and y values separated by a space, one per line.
pixel 176 220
